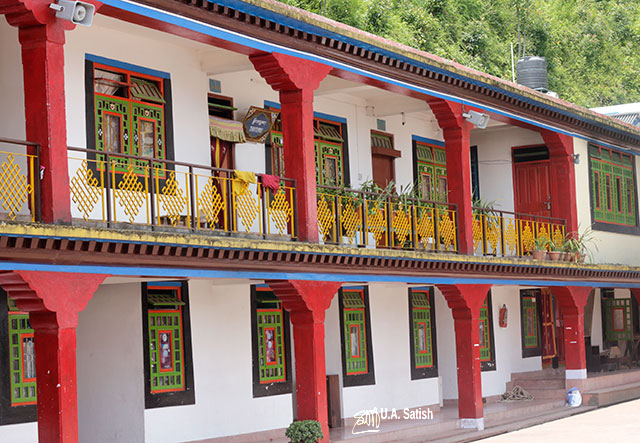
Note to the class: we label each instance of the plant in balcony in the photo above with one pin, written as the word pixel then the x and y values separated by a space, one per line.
pixel 304 431
pixel 555 251
pixel 578 245
pixel 540 245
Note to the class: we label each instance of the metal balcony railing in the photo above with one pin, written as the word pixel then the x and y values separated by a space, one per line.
pixel 19 180
pixel 357 218
pixel 111 189
pixel 510 234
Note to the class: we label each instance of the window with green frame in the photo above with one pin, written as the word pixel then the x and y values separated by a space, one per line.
pixel 613 188
pixel 422 333
pixel 431 171
pixel 127 115
pixel 167 344
pixel 330 143
pixel 530 322
pixel 270 343
pixel 487 348
pixel 357 358
pixel 18 394
pixel 618 324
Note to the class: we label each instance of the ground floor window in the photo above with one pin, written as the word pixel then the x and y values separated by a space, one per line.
pixel 357 357
pixel 17 364
pixel 422 332
pixel 271 343
pixel 167 344
pixel 487 346
pixel 617 315
pixel 530 322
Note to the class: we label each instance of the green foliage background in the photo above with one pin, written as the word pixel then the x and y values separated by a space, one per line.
pixel 592 46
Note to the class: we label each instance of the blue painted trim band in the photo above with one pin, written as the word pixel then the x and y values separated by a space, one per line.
pixel 354 288
pixel 176 284
pixel 127 66
pixel 331 118
pixel 430 141
pixel 233 37
pixel 350 278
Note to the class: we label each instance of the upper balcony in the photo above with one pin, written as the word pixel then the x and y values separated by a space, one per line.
pixel 120 191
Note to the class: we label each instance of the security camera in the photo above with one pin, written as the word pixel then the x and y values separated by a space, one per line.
pixel 77 12
pixel 477 119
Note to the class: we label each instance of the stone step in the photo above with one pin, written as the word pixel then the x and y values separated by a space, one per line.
pixel 548 394
pixel 542 374
pixel 612 395
pixel 537 383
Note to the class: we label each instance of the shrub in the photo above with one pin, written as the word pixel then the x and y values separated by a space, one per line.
pixel 305 431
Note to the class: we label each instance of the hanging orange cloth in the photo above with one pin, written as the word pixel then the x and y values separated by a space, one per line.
pixel 241 181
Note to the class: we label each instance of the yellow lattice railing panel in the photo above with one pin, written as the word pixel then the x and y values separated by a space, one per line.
pixel 326 217
pixel 211 203
pixel 246 206
pixel 351 217
pixel 401 227
pixel 447 229
pixel 376 221
pixel 510 237
pixel 173 203
pixel 131 193
pixel 87 189
pixel 477 233
pixel 280 212
pixel 425 234
pixel 17 188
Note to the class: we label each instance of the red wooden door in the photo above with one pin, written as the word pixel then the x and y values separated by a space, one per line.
pixel 383 172
pixel 549 348
pixel 532 188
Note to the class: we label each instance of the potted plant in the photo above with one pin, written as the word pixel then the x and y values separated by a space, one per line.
pixel 304 431
pixel 580 243
pixel 540 245
pixel 555 251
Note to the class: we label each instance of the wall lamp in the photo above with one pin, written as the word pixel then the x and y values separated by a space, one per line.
pixel 76 12
pixel 575 158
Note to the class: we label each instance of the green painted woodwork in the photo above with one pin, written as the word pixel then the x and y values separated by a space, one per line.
pixel 422 333
pixel 432 178
pixel 381 140
pixel 164 299
pixel 355 341
pixel 125 126
pixel 271 342
pixel 277 154
pixel 22 358
pixel 612 187
pixel 618 319
pixel 329 170
pixel 530 321
pixel 166 350
pixel 485 333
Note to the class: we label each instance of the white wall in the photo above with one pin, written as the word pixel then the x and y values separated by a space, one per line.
pixel 508 347
pixel 110 366
pixel 394 388
pixel 495 165
pixel 11 84
pixel 222 362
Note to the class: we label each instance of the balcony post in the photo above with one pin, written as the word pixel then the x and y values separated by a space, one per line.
pixel 562 178
pixel 53 300
pixel 465 301
pixel 296 79
pixel 307 302
pixel 456 131
pixel 572 300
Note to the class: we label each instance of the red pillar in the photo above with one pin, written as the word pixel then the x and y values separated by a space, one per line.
pixel 42 38
pixel 456 131
pixel 307 302
pixel 562 178
pixel 53 301
pixel 572 300
pixel 465 302
pixel 296 79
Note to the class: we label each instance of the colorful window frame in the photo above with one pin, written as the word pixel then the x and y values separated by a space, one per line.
pixel 487 343
pixel 18 394
pixel 618 317
pixel 613 190
pixel 141 100
pixel 430 159
pixel 530 322
pixel 330 140
pixel 270 344
pixel 422 333
pixel 355 324
pixel 167 344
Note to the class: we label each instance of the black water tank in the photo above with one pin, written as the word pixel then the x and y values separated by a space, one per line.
pixel 532 72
